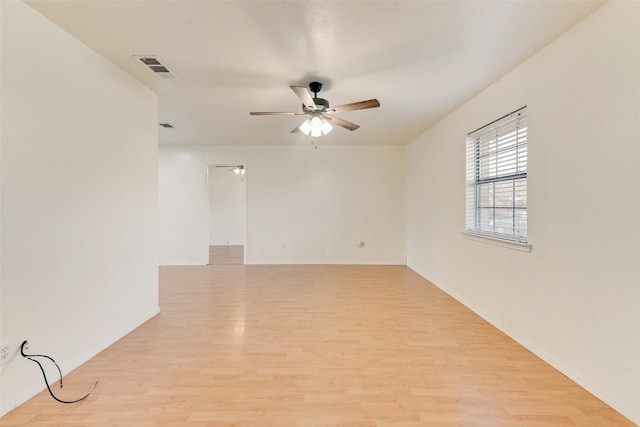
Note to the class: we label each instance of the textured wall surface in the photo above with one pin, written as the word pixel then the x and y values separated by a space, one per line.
pixel 79 199
pixel 303 205
pixel 574 299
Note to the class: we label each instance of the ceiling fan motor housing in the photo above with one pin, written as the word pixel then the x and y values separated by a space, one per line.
pixel 321 104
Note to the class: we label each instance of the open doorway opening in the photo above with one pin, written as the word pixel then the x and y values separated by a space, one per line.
pixel 227 213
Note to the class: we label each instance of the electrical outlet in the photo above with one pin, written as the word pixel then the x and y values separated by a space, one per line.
pixel 6 353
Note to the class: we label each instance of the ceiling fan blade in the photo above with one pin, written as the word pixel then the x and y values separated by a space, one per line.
pixel 304 95
pixel 361 105
pixel 296 129
pixel 274 113
pixel 342 123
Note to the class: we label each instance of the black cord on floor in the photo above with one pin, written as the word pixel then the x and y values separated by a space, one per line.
pixel 46 382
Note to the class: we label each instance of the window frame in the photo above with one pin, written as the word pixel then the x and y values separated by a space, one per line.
pixel 497 146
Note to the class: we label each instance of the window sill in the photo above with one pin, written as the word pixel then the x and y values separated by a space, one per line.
pixel 522 247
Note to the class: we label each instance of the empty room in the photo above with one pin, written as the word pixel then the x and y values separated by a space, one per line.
pixel 319 213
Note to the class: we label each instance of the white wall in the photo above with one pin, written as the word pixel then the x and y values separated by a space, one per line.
pixel 79 200
pixel 226 206
pixel 303 205
pixel 574 300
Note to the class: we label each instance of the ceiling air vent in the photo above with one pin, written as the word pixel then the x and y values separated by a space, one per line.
pixel 155 65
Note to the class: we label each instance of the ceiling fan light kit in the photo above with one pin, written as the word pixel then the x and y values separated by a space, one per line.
pixel 315 126
pixel 320 113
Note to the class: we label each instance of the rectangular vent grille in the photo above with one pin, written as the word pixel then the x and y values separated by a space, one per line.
pixel 155 65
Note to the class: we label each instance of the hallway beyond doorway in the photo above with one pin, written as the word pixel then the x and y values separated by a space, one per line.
pixel 226 254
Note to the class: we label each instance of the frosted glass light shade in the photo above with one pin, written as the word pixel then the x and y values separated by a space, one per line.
pixel 305 127
pixel 316 126
pixel 325 127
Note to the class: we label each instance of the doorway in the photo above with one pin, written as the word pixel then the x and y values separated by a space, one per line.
pixel 226 188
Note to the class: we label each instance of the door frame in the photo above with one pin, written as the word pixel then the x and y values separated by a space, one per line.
pixel 244 199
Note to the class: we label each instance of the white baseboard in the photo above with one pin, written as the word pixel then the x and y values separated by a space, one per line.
pixel 322 262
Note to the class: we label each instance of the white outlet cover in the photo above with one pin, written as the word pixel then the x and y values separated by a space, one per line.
pixel 8 351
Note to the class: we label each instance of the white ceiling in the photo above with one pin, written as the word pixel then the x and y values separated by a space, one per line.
pixel 420 59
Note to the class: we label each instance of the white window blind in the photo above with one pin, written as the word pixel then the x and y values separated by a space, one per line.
pixel 496 204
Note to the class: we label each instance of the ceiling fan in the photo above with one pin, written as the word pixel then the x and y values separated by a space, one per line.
pixel 320 114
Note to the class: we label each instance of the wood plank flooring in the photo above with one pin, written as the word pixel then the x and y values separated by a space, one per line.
pixel 362 346
pixel 226 254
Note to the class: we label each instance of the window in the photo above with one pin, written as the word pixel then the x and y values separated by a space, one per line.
pixel 497 179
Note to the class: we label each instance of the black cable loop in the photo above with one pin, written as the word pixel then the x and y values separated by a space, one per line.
pixel 46 382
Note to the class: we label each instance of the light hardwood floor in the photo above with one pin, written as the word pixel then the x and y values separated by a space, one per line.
pixel 226 254
pixel 314 346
